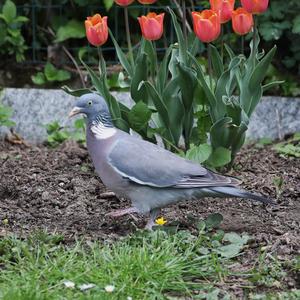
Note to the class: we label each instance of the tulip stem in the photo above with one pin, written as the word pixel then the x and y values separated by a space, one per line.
pixel 243 44
pixel 184 20
pixel 100 61
pixel 222 42
pixel 209 65
pixel 128 35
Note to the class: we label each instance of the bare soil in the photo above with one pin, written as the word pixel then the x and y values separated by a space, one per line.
pixel 57 190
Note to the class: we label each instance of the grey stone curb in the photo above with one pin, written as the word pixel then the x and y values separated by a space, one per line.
pixel 34 108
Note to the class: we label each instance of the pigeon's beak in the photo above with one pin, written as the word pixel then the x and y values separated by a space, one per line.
pixel 75 111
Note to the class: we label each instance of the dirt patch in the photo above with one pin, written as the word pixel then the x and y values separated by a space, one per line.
pixel 57 190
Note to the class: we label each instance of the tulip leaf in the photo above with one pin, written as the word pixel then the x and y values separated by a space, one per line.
pixel 148 48
pixel 216 61
pixel 261 69
pixel 271 84
pixel 158 102
pixel 122 57
pixel 163 71
pixel 76 93
pixel 180 37
pixel 216 114
pixel 140 74
pixel 220 133
pixel 72 30
pixel 229 51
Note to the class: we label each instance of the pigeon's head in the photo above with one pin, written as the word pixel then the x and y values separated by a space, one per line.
pixel 92 105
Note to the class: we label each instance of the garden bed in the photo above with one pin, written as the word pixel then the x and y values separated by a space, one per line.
pixel 57 190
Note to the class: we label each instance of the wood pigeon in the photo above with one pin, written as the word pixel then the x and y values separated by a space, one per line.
pixel 150 176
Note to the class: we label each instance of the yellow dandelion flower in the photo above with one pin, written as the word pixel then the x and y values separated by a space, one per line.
pixel 160 221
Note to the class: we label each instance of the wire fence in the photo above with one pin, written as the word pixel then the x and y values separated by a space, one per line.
pixel 40 42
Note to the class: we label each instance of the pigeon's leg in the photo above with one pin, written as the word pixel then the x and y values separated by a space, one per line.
pixel 154 213
pixel 121 212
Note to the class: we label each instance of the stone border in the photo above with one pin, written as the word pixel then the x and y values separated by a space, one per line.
pixel 274 117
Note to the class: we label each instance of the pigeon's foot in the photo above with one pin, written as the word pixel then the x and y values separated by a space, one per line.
pixel 153 215
pixel 122 212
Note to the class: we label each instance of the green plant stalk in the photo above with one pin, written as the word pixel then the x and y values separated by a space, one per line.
pixel 184 20
pixel 254 35
pixel 242 44
pixel 209 65
pixel 100 55
pixel 222 42
pixel 130 52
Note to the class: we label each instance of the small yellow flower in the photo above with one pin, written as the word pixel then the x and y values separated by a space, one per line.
pixel 160 221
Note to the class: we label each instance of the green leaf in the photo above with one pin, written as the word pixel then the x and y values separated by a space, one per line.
pixel 9 11
pixel 216 61
pixel 199 153
pixel 63 75
pixel 122 57
pixel 72 30
pixel 138 93
pixel 108 4
pixel 230 250
pixel 163 71
pixel 235 238
pixel 38 78
pixel 220 157
pixel 139 116
pixel 180 37
pixel 50 72
pixel 260 70
pixel 76 93
pixel 296 25
pixel 214 220
pixel 271 85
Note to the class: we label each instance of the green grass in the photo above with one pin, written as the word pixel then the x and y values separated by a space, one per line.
pixel 146 265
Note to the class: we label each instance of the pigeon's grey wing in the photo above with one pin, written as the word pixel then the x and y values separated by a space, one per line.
pixel 148 164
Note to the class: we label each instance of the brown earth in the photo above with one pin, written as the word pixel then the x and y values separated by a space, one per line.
pixel 58 191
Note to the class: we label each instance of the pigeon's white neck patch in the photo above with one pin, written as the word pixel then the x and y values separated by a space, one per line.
pixel 101 131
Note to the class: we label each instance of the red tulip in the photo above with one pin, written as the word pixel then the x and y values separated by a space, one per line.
pixel 152 26
pixel 207 25
pixel 225 7
pixel 124 2
pixel 147 1
pixel 96 30
pixel 242 21
pixel 255 6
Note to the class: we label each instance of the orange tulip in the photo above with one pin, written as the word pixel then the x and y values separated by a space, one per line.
pixel 207 25
pixel 242 21
pixel 152 26
pixel 147 1
pixel 255 6
pixel 225 7
pixel 96 30
pixel 124 2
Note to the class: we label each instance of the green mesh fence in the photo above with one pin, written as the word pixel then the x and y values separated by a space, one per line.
pixel 39 40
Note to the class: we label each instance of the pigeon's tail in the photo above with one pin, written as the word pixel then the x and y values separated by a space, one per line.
pixel 236 192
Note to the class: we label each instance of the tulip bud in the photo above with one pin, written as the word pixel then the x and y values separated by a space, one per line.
pixel 96 30
pixel 207 26
pixel 242 21
pixel 124 2
pixel 224 7
pixel 255 6
pixel 147 1
pixel 152 26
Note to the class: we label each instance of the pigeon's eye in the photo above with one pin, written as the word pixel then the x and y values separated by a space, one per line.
pixel 90 103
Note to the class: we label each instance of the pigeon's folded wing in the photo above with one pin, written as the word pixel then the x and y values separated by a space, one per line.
pixel 148 164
